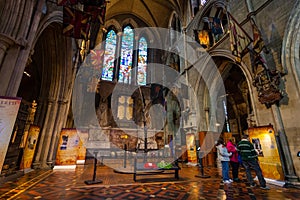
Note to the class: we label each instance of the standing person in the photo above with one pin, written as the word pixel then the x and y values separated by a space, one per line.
pixel 234 161
pixel 250 160
pixel 223 156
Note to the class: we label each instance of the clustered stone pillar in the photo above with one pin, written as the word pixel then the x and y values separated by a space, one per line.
pixel 60 119
pixel 16 38
pixel 287 161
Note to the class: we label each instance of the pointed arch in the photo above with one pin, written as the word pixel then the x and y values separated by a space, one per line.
pixel 109 55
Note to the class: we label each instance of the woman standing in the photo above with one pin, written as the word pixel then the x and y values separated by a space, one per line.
pixel 223 156
pixel 234 162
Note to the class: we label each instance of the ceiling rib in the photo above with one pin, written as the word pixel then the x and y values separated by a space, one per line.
pixel 149 11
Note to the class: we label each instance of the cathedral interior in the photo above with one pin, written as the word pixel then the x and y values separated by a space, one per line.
pixel 124 80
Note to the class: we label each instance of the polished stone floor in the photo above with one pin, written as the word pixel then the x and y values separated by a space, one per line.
pixel 70 184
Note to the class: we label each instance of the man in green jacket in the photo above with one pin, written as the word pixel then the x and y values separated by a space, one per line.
pixel 249 158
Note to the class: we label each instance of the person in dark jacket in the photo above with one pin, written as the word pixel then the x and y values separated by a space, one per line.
pixel 249 157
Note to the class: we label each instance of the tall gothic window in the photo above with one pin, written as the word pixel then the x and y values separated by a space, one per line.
pixel 126 47
pixel 142 62
pixel 109 56
pixel 126 55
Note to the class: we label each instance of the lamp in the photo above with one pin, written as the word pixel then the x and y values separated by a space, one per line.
pixel 125 136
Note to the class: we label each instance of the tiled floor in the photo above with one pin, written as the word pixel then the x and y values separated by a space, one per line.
pixel 61 184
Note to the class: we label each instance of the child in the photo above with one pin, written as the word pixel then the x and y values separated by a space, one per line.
pixel 223 156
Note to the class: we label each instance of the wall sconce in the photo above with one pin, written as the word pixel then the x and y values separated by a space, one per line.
pixel 104 30
pixel 218 124
pixel 27 74
pixel 124 136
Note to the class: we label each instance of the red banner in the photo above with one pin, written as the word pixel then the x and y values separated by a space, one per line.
pixel 75 23
pixel 96 12
pixel 239 39
pixel 258 42
pixel 92 2
pixel 66 2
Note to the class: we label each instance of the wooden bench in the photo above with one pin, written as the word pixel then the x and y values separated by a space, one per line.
pixel 140 170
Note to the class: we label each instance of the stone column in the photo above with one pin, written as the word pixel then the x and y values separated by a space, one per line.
pixel 53 110
pixel 25 36
pixel 118 53
pixel 61 113
pixel 288 165
pixel 5 43
pixel 8 51
pixel 286 158
pixel 37 162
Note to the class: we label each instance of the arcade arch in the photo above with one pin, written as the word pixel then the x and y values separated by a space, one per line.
pixel 47 80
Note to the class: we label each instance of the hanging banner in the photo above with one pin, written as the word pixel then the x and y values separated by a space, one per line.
pixel 75 23
pixel 9 107
pixel 29 147
pixel 191 148
pixel 66 2
pixel 239 39
pixel 203 37
pixel 264 141
pixel 67 150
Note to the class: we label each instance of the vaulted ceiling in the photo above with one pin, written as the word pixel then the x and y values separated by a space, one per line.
pixel 154 13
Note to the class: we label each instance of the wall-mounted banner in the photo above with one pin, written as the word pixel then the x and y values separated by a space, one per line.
pixel 191 148
pixel 30 146
pixel 264 141
pixel 9 107
pixel 67 150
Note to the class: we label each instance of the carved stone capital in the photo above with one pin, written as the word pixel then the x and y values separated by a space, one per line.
pixel 63 102
pixel 6 41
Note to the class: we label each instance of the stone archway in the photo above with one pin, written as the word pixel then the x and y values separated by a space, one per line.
pixel 238 103
pixel 290 56
pixel 53 53
pixel 48 80
pixel 291 47
pixel 240 87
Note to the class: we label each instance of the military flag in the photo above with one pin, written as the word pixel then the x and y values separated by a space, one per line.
pixel 97 3
pixel 66 2
pixel 75 23
pixel 97 13
pixel 239 39
pixel 258 42
pixel 203 37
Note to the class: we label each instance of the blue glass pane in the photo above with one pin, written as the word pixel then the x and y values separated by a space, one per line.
pixel 126 55
pixel 142 62
pixel 109 56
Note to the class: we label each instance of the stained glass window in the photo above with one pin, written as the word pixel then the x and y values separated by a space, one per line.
pixel 142 62
pixel 202 2
pixel 109 56
pixel 125 66
pixel 126 55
